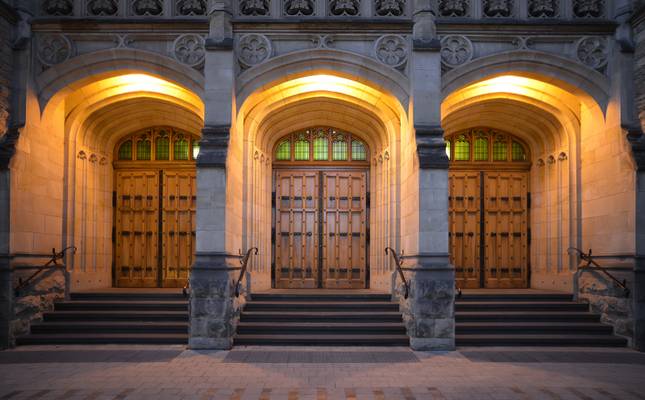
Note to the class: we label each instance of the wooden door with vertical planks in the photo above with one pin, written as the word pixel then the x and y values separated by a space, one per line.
pixel 506 229
pixel 137 228
pixel 297 229
pixel 344 229
pixel 465 222
pixel 178 222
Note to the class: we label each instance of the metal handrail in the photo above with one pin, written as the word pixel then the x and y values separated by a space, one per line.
pixel 398 262
pixel 244 261
pixel 55 257
pixel 590 261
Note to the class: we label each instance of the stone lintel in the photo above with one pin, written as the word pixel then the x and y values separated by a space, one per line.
pixel 213 146
pixel 431 147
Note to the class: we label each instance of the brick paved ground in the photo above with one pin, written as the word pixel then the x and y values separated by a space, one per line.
pixel 268 373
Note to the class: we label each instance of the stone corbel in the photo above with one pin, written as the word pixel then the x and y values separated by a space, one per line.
pixel 213 147
pixel 431 147
pixel 636 139
pixel 8 147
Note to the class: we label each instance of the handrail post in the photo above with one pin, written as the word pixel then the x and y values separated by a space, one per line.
pixel 244 262
pixel 593 265
pixel 54 259
pixel 397 262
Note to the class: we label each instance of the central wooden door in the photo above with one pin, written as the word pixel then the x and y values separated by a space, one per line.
pixel 320 228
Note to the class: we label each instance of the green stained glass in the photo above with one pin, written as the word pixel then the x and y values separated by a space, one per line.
pixel 321 148
pixel 195 149
pixel 144 149
pixel 339 150
pixel 125 150
pixel 283 151
pixel 448 149
pixel 358 151
pixel 500 149
pixel 462 149
pixel 481 149
pixel 517 152
pixel 163 148
pixel 301 150
pixel 181 149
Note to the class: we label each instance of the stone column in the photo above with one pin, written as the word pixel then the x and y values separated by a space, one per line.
pixel 429 309
pixel 213 307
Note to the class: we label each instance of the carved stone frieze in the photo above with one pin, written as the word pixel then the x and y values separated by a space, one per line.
pixel 58 7
pixel 391 50
pixel 191 7
pixel 453 8
pixel 456 50
pixel 588 8
pixel 394 8
pixel 254 7
pixel 53 49
pixel 189 49
pixel 345 7
pixel 592 51
pixel 147 7
pixel 253 49
pixel 543 8
pixel 102 7
pixel 299 7
pixel 498 8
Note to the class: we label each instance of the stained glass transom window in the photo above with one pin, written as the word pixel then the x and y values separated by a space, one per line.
pixel 160 144
pixel 487 145
pixel 321 145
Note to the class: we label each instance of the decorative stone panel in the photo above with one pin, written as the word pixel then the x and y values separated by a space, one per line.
pixel 58 7
pixel 454 8
pixel 344 7
pixel 253 49
pixel 143 8
pixel 391 50
pixel 255 7
pixel 299 7
pixel 588 8
pixel 190 7
pixel 455 50
pixel 102 7
pixel 189 49
pixel 593 52
pixel 53 49
pixel 498 8
pixel 543 8
pixel 385 8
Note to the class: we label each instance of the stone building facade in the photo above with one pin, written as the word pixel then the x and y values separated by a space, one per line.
pixel 419 107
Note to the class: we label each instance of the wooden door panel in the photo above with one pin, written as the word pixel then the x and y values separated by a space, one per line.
pixel 506 232
pixel 137 228
pixel 178 234
pixel 464 221
pixel 296 229
pixel 345 229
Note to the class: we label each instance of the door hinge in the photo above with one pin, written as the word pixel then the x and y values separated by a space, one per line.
pixel 272 235
pixel 528 200
pixel 273 203
pixel 114 198
pixel 528 236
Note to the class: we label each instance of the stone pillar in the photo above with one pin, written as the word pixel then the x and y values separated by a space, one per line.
pixel 214 309
pixel 429 309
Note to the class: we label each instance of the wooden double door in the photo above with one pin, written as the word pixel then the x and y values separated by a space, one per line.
pixel 489 235
pixel 320 228
pixel 154 229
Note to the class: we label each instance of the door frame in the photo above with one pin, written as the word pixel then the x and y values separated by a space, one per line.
pixel 320 169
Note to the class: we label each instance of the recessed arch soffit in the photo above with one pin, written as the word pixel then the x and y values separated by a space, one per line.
pixel 322 112
pixel 590 86
pixel 78 67
pixel 108 124
pixel 361 68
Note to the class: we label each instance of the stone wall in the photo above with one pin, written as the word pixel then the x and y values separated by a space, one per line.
pixel 608 299
pixel 38 296
pixel 6 60
pixel 639 58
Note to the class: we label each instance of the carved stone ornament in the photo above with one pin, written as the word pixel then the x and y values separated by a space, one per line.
pixel 395 8
pixel 147 7
pixel 588 8
pixel 253 49
pixel 592 51
pixel 344 7
pixel 543 8
pixel 498 8
pixel 453 8
pixel 299 7
pixel 254 7
pixel 58 7
pixel 391 50
pixel 102 7
pixel 54 49
pixel 456 50
pixel 191 7
pixel 189 49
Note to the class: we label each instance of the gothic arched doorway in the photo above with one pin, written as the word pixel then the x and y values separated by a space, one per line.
pixel 321 210
pixel 489 209
pixel 154 208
